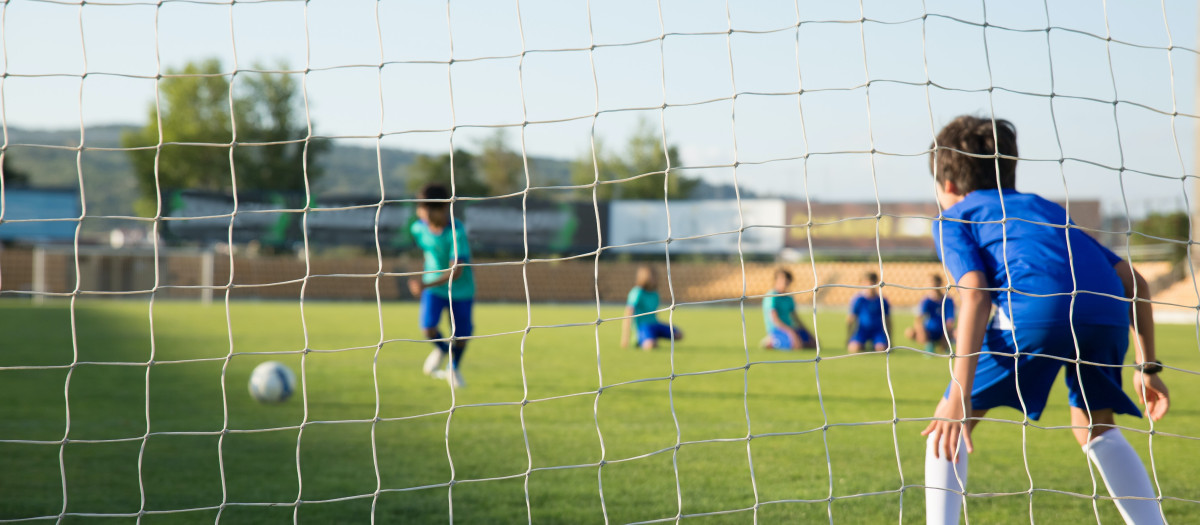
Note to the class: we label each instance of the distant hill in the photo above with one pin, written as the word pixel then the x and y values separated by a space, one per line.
pixel 110 186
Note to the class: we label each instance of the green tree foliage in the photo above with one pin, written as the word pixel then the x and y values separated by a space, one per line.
pixel 436 168
pixel 12 176
pixel 196 113
pixel 495 170
pixel 1172 226
pixel 499 167
pixel 643 155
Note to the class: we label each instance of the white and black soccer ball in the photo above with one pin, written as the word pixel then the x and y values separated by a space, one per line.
pixel 272 382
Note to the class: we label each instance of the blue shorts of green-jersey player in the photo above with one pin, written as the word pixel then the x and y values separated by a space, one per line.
pixel 648 334
pixel 780 340
pixel 434 305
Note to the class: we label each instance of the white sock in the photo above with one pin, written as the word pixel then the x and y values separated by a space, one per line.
pixel 1124 476
pixel 941 477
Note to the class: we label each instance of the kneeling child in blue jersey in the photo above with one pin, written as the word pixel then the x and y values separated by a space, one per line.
pixel 869 315
pixel 928 327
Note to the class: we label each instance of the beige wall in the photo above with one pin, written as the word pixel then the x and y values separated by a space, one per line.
pixel 579 280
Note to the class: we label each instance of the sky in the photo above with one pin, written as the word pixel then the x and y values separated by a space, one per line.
pixel 787 98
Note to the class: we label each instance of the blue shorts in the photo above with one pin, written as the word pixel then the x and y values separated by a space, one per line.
pixel 653 330
pixel 935 334
pixel 996 376
pixel 875 335
pixel 781 341
pixel 432 306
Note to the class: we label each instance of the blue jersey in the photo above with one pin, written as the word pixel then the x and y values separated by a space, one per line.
pixel 443 250
pixel 868 313
pixel 780 304
pixel 976 235
pixel 643 302
pixel 932 310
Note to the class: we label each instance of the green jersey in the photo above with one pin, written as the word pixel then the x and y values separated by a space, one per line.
pixel 780 304
pixel 442 250
pixel 643 301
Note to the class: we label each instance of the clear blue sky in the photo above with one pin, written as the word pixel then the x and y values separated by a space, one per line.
pixel 695 70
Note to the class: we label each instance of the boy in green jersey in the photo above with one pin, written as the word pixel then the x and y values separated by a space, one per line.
pixel 447 282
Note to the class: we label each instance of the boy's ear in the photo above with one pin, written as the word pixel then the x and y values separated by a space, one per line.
pixel 950 187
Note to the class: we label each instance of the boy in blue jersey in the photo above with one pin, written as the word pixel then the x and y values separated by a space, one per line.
pixel 446 283
pixel 869 316
pixel 1058 296
pixel 639 309
pixel 928 327
pixel 784 329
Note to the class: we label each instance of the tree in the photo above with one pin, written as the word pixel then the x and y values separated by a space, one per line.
pixel 644 154
pixel 195 109
pixel 267 114
pixel 1170 225
pixel 430 168
pixel 500 168
pixel 13 176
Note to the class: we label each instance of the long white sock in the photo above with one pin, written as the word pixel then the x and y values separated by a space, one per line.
pixel 1124 476
pixel 942 506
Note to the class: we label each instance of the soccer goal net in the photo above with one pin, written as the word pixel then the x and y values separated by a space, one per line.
pixel 646 295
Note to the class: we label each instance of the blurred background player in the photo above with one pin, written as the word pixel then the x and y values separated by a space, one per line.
pixel 928 327
pixel 1068 311
pixel 643 299
pixel 784 329
pixel 446 282
pixel 869 315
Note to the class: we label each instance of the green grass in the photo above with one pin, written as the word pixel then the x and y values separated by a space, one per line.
pixel 524 440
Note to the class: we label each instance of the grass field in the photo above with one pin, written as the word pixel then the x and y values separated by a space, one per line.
pixel 524 441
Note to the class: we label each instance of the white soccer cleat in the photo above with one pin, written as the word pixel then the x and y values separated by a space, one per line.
pixel 433 363
pixel 456 378
pixel 439 374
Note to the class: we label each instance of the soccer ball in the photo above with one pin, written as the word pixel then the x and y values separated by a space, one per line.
pixel 272 382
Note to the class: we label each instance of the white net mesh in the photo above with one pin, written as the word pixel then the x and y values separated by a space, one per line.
pixel 770 110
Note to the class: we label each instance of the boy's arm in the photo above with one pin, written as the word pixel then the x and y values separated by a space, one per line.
pixel 887 319
pixel 416 285
pixel 625 326
pixel 851 319
pixel 919 319
pixel 778 322
pixel 445 278
pixel 952 411
pixel 1150 387
pixel 796 319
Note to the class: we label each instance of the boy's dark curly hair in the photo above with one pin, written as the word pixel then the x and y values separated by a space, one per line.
pixel 965 153
pixel 433 192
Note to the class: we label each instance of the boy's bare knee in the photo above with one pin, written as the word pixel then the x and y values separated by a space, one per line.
pixel 1090 425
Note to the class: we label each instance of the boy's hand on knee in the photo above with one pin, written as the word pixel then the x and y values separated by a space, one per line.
pixel 1153 393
